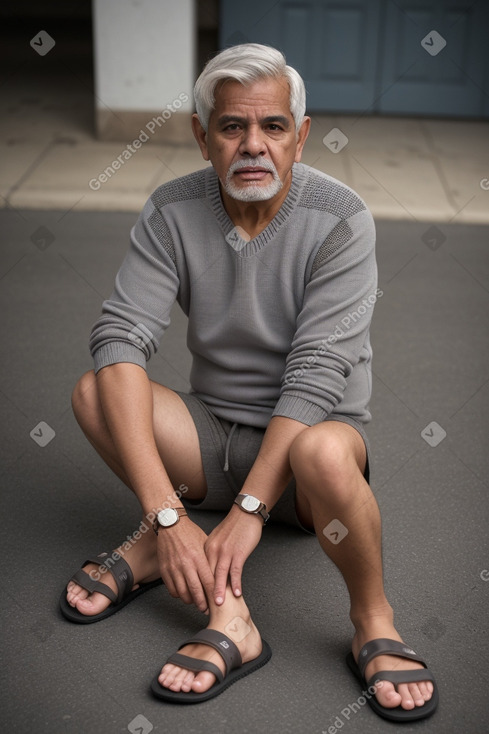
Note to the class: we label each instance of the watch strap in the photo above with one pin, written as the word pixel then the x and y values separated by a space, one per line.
pixel 181 512
pixel 265 515
pixel 262 509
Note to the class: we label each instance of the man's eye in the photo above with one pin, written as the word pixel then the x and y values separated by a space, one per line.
pixel 274 128
pixel 232 127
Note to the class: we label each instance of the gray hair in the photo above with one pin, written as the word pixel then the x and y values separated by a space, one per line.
pixel 247 63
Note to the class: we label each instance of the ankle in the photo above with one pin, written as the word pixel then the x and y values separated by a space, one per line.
pixel 140 554
pixel 365 618
pixel 233 617
pixel 233 606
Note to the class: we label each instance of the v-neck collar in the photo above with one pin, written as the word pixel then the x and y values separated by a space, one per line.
pixel 232 233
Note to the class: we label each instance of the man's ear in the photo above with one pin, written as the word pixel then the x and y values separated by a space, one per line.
pixel 200 135
pixel 302 137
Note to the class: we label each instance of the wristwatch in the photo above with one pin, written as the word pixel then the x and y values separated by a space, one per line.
pixel 251 504
pixel 168 517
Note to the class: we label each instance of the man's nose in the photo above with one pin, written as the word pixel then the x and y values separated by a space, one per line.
pixel 252 142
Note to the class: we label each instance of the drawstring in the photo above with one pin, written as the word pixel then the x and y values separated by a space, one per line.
pixel 228 446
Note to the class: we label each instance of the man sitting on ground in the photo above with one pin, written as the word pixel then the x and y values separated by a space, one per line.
pixel 273 262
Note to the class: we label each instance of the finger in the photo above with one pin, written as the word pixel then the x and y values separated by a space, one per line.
pixel 236 573
pixel 180 588
pixel 212 555
pixel 207 580
pixel 197 591
pixel 168 581
pixel 211 560
pixel 221 575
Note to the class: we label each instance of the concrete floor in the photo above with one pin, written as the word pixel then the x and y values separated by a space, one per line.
pixel 60 503
pixel 405 168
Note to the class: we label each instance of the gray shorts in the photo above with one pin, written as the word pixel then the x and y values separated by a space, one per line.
pixel 229 451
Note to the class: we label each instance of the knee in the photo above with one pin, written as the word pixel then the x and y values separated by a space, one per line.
pixel 84 394
pixel 321 459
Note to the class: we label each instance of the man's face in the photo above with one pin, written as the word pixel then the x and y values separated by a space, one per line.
pixel 252 141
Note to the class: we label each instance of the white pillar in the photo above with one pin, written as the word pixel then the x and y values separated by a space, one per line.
pixel 145 53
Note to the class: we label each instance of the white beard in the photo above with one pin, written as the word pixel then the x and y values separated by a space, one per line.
pixel 252 192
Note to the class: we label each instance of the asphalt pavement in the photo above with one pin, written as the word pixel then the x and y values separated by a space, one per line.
pixel 60 503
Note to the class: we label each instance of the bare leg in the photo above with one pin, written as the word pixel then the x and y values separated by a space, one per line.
pixel 178 445
pixel 328 461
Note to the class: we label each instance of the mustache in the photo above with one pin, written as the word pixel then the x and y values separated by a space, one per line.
pixel 252 163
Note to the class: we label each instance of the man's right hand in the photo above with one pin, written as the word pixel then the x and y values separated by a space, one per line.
pixel 183 563
pixel 144 444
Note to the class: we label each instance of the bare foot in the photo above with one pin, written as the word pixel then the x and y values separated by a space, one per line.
pixel 232 618
pixel 407 695
pixel 143 562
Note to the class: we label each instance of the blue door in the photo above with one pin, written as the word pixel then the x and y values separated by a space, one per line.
pixel 428 57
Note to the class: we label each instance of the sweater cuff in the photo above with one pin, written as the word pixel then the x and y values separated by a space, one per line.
pixel 291 406
pixel 115 352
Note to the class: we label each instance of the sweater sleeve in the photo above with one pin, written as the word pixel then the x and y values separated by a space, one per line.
pixel 137 313
pixel 332 328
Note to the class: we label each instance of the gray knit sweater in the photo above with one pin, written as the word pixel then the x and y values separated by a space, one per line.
pixel 278 325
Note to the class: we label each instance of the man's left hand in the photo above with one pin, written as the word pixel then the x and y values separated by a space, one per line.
pixel 228 547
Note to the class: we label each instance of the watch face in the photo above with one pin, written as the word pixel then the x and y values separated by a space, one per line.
pixel 250 503
pixel 167 517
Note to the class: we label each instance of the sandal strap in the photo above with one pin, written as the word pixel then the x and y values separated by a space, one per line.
pixel 117 567
pixel 401 676
pixel 222 644
pixel 184 661
pixel 87 582
pixel 384 646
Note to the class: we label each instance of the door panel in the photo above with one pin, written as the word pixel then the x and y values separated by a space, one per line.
pixel 367 56
pixel 446 80
pixel 332 45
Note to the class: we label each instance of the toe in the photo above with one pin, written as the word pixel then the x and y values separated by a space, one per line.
pixel 187 681
pixel 91 604
pixel 167 675
pixel 416 694
pixel 75 593
pixel 387 695
pixel 407 701
pixel 426 689
pixel 178 680
pixel 407 695
pixel 203 681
